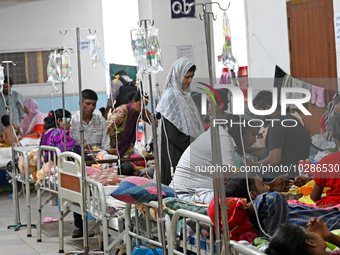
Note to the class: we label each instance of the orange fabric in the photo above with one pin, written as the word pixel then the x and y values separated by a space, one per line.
pixel 37 128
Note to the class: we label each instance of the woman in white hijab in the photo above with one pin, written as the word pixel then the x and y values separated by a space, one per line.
pixel 181 121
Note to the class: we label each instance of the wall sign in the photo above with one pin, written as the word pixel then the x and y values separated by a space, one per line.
pixel 179 6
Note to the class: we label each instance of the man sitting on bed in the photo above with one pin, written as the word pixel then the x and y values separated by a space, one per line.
pixel 95 125
pixel 95 135
pixel 272 207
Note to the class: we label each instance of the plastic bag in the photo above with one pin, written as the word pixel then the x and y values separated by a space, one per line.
pixel 227 55
pixel 153 54
pixel 93 50
pixel 138 42
pixel 53 70
pixel 66 72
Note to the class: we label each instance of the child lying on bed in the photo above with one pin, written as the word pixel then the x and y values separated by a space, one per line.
pixel 295 240
pixel 130 169
pixel 272 207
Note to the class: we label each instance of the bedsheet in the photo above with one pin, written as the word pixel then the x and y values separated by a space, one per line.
pixel 6 153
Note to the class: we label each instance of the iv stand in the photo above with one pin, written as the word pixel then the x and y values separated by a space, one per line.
pixel 83 165
pixel 156 155
pixel 219 191
pixel 17 223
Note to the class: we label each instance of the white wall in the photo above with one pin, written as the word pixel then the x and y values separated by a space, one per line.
pixel 177 32
pixel 29 25
pixel 268 37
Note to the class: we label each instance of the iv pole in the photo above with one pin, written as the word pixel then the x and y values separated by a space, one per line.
pixel 17 223
pixel 156 155
pixel 219 192
pixel 83 164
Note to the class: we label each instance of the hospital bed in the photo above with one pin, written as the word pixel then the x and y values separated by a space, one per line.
pixel 186 240
pixel 97 206
pixel 70 199
pixel 49 181
pixel 178 242
pixel 25 180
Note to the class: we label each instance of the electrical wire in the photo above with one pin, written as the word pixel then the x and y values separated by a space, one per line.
pixel 247 181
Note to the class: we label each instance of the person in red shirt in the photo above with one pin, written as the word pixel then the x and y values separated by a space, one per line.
pixel 327 171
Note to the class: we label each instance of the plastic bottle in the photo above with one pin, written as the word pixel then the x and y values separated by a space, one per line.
pixel 140 132
pixel 153 55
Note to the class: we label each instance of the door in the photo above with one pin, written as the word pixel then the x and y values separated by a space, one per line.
pixel 312 49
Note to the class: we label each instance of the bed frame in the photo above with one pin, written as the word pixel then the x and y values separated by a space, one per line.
pixel 176 243
pixel 46 185
pixel 70 199
pixel 26 181
pixel 173 241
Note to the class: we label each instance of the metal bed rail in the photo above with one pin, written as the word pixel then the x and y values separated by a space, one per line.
pixel 96 206
pixel 49 183
pixel 176 243
pixel 26 181
pixel 152 238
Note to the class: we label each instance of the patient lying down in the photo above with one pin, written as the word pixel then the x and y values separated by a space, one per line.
pixel 295 240
pixel 130 169
pixel 272 207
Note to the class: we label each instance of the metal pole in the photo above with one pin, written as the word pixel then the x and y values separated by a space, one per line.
pixel 81 131
pixel 14 180
pixel 63 96
pixel 63 101
pixel 216 148
pixel 158 172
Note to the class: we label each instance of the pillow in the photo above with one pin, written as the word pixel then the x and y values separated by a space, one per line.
pixel 92 170
pixel 138 190
pixel 108 177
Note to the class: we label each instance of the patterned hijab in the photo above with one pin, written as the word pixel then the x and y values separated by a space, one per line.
pixel 176 104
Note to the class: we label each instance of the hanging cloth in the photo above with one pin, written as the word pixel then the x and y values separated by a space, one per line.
pixel 328 115
pixel 318 96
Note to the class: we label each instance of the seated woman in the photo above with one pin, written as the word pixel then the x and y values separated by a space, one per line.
pixel 54 134
pixel 329 176
pixel 32 125
pixel 122 124
pixel 295 240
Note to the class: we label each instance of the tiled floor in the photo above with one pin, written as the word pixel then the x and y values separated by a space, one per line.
pixel 16 242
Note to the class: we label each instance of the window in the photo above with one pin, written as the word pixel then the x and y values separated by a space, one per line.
pixel 31 66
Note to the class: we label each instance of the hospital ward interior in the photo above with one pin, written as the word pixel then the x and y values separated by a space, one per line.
pixel 179 127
